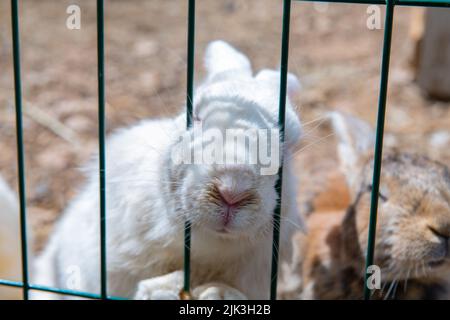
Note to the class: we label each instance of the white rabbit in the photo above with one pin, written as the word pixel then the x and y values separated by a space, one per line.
pixel 149 196
pixel 10 267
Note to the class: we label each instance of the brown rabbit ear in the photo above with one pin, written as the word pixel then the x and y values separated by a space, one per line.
pixel 351 249
pixel 355 140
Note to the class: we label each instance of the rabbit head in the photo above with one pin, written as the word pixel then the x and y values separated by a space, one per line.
pixel 225 168
pixel 413 226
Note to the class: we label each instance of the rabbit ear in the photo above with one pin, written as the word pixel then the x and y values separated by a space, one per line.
pixel 293 84
pixel 355 140
pixel 8 201
pixel 221 57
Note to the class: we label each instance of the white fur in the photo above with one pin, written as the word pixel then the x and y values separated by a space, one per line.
pixel 145 216
pixel 221 58
pixel 9 241
pixel 350 149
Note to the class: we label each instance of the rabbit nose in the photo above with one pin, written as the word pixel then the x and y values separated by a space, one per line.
pixel 440 234
pixel 232 198
pixel 231 202
pixel 443 249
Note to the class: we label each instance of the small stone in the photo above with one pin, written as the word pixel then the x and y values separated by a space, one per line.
pixel 145 48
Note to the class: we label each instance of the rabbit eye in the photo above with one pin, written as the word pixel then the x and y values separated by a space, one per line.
pixel 381 194
pixel 383 197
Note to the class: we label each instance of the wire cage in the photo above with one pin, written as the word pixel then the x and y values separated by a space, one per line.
pixel 26 285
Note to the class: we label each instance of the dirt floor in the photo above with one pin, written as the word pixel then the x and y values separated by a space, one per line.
pixel 332 51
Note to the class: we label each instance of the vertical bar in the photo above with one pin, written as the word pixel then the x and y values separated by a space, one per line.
pixel 379 141
pixel 189 107
pixel 20 147
pixel 101 139
pixel 281 124
pixel 190 63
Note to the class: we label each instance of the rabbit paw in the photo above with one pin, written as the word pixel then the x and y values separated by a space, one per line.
pixel 167 287
pixel 217 291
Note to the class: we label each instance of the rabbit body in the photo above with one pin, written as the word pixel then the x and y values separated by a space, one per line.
pixel 149 198
pixel 413 229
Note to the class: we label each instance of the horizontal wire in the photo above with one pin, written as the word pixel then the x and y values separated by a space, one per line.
pixel 75 293
pixel 413 3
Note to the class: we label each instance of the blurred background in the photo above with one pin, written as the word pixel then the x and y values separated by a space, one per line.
pixel 332 50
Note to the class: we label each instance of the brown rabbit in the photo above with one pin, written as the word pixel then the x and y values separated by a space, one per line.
pixel 412 233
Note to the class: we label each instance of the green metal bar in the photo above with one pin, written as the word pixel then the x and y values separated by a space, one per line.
pixel 379 140
pixel 190 63
pixel 281 124
pixel 101 113
pixel 16 284
pixel 189 107
pixel 413 3
pixel 421 3
pixel 101 138
pixel 20 146
pixel 187 257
